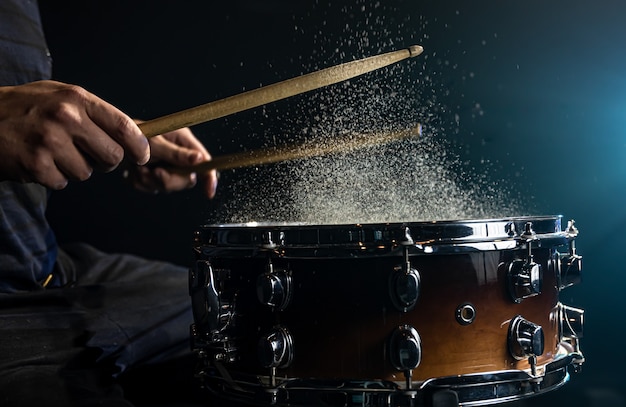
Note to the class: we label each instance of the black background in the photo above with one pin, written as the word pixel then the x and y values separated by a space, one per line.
pixel 538 87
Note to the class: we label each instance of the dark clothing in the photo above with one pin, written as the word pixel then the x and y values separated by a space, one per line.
pixel 27 244
pixel 100 315
pixel 64 346
pixel 28 248
pixel 24 55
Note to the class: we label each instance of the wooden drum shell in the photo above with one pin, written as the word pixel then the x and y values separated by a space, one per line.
pixel 341 315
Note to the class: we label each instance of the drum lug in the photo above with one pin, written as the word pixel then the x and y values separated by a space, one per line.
pixel 570 264
pixel 275 350
pixel 212 315
pixel 571 326
pixel 274 287
pixel 405 351
pixel 208 306
pixel 570 267
pixel 525 276
pixel 571 330
pixel 526 339
pixel 404 285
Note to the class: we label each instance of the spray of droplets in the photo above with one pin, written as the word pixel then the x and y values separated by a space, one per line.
pixel 411 180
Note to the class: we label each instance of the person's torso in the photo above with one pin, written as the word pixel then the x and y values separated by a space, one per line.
pixel 27 244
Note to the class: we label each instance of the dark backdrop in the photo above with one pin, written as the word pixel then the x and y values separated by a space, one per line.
pixel 537 87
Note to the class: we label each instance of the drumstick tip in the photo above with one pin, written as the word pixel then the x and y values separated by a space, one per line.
pixel 415 50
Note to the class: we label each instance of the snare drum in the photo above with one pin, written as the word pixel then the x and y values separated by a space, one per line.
pixel 396 314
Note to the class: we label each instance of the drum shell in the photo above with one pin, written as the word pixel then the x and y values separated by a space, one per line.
pixel 341 314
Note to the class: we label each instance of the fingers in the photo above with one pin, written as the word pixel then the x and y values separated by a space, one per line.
pixel 70 164
pixel 155 180
pixel 48 158
pixel 105 130
pixel 53 132
pixel 210 184
pixel 104 153
pixel 83 132
pixel 182 149
pixel 166 151
pixel 175 154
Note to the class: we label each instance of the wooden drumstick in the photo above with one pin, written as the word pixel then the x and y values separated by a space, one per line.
pixel 274 92
pixel 296 151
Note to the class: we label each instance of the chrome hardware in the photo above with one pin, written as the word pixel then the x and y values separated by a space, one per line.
pixel 526 339
pixel 404 285
pixel 405 289
pixel 509 229
pixel 209 309
pixel 570 264
pixel 529 234
pixel 571 331
pixel 465 314
pixel 405 350
pixel 407 238
pixel 268 242
pixel 525 276
pixel 532 361
pixel 571 322
pixel 479 389
pixel 219 347
pixel 572 230
pixel 212 314
pixel 274 287
pixel 275 350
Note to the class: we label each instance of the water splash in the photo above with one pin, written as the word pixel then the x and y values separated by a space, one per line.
pixel 422 179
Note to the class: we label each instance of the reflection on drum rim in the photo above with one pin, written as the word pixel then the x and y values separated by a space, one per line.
pixel 349 240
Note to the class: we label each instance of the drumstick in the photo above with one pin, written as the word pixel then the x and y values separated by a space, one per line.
pixel 296 151
pixel 274 92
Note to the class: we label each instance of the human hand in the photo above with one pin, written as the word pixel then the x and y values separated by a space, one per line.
pixel 178 148
pixel 52 132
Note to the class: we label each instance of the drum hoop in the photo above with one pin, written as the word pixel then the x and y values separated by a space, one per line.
pixel 315 240
pixel 471 389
